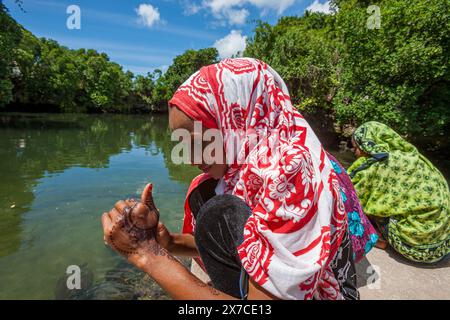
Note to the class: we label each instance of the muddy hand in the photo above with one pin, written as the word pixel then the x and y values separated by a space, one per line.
pixel 131 224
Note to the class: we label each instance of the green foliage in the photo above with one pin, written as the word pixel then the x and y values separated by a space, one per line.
pixel 337 66
pixel 9 38
pixel 398 74
pixel 74 80
pixel 39 72
pixel 303 52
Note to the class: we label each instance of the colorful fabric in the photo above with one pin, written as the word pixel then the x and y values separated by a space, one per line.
pixel 363 235
pixel 399 183
pixel 298 218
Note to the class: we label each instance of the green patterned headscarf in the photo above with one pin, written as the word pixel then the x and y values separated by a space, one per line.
pixel 399 183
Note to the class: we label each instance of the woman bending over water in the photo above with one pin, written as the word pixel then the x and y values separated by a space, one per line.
pixel 403 192
pixel 266 222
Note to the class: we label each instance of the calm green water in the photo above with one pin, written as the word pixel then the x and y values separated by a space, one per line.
pixel 59 173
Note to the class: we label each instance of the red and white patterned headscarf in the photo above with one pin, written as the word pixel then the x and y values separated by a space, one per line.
pixel 298 218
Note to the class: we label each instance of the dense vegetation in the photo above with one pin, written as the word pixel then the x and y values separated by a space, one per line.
pixel 38 73
pixel 340 71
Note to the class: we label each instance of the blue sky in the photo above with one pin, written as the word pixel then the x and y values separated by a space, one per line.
pixel 143 35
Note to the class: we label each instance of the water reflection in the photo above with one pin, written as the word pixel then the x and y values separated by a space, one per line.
pixel 59 173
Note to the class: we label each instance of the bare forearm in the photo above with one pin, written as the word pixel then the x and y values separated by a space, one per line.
pixel 175 279
pixel 182 245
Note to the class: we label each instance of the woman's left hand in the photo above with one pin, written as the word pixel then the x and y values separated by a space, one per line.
pixel 130 227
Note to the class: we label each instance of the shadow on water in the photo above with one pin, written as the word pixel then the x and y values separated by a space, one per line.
pixel 122 282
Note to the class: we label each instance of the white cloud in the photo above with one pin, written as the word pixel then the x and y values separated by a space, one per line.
pixel 237 17
pixel 316 6
pixel 148 15
pixel 219 5
pixel 227 10
pixel 235 12
pixel 191 8
pixel 232 44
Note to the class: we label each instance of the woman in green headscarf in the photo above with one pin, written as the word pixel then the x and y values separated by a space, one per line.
pixel 403 192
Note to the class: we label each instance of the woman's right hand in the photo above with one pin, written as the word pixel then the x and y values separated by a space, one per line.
pixel 131 226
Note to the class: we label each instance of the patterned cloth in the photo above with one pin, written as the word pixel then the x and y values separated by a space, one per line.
pixel 362 234
pixel 398 183
pixel 298 218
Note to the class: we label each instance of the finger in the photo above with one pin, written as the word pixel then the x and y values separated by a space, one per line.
pixel 121 205
pixel 160 231
pixel 147 196
pixel 142 217
pixel 106 223
pixel 140 210
pixel 115 215
pixel 161 227
pixel 131 202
